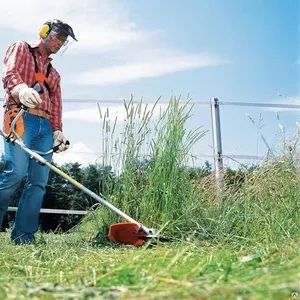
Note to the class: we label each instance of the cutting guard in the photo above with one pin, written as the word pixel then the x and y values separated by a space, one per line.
pixel 127 233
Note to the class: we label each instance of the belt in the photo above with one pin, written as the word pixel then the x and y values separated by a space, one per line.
pixel 33 111
pixel 39 113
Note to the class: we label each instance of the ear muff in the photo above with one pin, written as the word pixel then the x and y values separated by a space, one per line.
pixel 44 30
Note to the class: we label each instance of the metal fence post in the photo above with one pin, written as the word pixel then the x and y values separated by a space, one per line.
pixel 217 141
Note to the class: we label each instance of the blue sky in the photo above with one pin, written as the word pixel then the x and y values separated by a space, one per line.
pixel 241 51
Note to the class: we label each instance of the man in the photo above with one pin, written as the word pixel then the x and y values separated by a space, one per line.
pixel 29 79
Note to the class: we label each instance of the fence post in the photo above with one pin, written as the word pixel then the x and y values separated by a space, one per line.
pixel 217 141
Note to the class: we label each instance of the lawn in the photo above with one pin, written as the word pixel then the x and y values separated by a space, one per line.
pixel 64 267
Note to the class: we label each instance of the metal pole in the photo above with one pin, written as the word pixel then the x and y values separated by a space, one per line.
pixel 217 141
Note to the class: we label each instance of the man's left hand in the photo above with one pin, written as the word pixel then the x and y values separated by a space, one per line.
pixel 59 139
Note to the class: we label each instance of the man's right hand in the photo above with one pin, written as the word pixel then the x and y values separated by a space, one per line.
pixel 28 96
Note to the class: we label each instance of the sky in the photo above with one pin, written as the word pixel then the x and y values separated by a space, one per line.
pixel 234 50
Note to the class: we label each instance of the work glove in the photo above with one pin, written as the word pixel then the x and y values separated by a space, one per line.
pixel 29 97
pixel 59 139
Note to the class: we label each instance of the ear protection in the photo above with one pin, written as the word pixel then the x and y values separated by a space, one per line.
pixel 45 29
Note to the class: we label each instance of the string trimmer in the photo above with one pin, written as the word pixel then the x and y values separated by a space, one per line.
pixel 128 233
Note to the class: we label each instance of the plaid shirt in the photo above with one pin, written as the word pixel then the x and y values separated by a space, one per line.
pixel 19 68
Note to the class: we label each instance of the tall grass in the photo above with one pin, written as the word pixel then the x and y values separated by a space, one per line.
pixel 154 187
pixel 265 208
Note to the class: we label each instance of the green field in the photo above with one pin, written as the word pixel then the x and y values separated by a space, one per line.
pixel 61 267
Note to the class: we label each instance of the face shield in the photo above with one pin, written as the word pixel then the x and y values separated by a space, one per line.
pixel 60 38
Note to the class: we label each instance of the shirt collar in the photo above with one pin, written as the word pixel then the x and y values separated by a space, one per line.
pixel 36 48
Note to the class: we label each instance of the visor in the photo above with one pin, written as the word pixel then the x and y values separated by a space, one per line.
pixel 62 31
pixel 61 36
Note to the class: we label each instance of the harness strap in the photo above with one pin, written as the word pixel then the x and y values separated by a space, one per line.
pixel 45 83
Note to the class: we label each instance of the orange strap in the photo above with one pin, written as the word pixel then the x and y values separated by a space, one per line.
pixel 40 78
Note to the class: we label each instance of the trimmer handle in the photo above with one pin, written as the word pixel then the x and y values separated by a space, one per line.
pixel 55 148
pixel 13 124
pixel 36 86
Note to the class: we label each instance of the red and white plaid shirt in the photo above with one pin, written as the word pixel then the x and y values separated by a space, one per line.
pixel 19 68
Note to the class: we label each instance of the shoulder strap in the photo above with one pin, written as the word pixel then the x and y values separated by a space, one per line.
pixel 34 57
pixel 49 67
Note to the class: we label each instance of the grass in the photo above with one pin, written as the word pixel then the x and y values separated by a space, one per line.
pixel 243 245
pixel 63 267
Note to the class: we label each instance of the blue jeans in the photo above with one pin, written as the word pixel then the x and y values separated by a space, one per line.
pixel 38 135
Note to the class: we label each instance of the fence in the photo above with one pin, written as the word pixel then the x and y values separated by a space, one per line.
pixel 217 136
pixel 217 139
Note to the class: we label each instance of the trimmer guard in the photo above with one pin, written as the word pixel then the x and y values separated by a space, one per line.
pixel 127 233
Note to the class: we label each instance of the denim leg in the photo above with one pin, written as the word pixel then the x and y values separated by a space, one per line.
pixel 15 169
pixel 27 215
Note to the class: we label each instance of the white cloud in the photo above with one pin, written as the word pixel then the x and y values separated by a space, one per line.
pixel 105 29
pixel 79 153
pixel 146 69
pixel 87 115
pixel 112 112
pixel 99 25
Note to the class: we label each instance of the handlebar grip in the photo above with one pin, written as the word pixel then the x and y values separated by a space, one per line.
pixel 24 107
pixel 55 148
pixel 38 88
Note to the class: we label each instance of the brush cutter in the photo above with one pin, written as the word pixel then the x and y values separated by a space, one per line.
pixel 128 233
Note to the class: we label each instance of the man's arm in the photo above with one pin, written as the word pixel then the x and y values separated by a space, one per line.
pixel 56 110
pixel 56 119
pixel 14 64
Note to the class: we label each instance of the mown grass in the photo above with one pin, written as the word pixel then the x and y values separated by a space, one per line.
pixel 64 267
pixel 242 244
